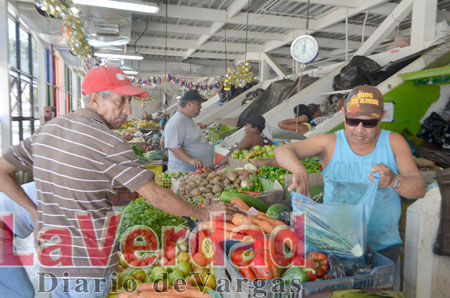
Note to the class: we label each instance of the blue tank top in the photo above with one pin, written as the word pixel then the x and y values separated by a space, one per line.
pixel 346 166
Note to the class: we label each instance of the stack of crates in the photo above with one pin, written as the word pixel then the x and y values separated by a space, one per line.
pixel 381 276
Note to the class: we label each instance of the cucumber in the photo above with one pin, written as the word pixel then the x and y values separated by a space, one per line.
pixel 275 210
pixel 251 201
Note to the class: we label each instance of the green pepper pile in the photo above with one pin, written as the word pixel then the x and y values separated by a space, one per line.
pixel 273 173
pixel 312 164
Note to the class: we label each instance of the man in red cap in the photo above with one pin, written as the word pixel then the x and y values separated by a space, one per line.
pixel 78 164
pixel 354 154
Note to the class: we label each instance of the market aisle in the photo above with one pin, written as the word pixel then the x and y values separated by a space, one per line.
pixel 26 245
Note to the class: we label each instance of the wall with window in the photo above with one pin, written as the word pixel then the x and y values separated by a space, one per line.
pixel 23 82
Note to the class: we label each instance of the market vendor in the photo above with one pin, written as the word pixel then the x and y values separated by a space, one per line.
pixel 189 149
pixel 354 154
pixel 253 136
pixel 78 163
pixel 303 117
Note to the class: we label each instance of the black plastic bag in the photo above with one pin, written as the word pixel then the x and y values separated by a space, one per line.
pixel 432 129
pixel 337 268
pixel 355 73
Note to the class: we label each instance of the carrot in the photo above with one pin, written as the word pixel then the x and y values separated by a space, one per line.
pixel 124 294
pixel 159 295
pixel 264 225
pixel 272 221
pixel 241 204
pixel 240 220
pixel 150 286
pixel 225 226
pixel 194 293
pixel 189 292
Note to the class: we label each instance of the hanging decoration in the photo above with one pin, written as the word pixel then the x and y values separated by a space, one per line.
pixel 72 27
pixel 239 76
pixel 242 73
pixel 154 81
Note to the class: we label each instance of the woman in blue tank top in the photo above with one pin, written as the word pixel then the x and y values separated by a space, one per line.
pixel 352 155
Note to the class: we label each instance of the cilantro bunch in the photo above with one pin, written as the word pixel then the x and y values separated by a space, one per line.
pixel 140 212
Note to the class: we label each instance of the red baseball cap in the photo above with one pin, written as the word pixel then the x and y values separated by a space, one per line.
pixel 110 78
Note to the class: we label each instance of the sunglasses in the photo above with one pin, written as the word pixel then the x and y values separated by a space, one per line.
pixel 367 123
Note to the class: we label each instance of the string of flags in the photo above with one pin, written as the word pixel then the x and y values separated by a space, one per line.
pixel 154 81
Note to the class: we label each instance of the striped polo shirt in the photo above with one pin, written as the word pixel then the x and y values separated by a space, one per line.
pixel 78 164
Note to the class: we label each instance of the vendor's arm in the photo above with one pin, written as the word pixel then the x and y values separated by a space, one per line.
pixel 288 156
pixel 171 203
pixel 182 155
pixel 11 187
pixel 412 184
pixel 294 125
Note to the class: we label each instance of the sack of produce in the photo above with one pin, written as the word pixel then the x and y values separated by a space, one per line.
pixel 338 227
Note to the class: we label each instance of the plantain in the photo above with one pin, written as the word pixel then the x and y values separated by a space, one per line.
pixel 250 155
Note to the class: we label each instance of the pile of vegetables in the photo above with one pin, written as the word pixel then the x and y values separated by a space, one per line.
pixel 256 262
pixel 273 173
pixel 312 164
pixel 255 152
pixel 173 266
pixel 140 212
pixel 207 184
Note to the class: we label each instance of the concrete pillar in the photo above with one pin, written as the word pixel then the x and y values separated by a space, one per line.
pixel 264 70
pixel 5 117
pixel 423 23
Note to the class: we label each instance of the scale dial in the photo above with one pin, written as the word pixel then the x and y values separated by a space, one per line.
pixel 304 49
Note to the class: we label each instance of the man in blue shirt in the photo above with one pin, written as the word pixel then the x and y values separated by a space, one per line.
pixel 353 155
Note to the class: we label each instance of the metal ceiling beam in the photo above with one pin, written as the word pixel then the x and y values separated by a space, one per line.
pixel 212 15
pixel 341 3
pixel 231 47
pixel 196 30
pixel 333 18
pixel 386 27
pixel 232 11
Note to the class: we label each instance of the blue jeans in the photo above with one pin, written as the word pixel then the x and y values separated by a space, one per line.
pixel 14 282
pixel 74 288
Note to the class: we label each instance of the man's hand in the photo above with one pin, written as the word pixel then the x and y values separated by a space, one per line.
pixel 221 206
pixel 300 182
pixel 196 163
pixel 387 176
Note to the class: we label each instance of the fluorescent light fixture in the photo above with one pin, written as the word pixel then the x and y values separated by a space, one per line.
pixel 119 56
pixel 147 7
pixel 130 71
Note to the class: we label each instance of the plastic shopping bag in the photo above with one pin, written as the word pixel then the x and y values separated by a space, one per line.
pixel 338 226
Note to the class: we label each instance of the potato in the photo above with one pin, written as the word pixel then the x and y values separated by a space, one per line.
pixel 198 181
pixel 232 175
pixel 211 176
pixel 203 189
pixel 204 183
pixel 217 180
pixel 196 192
pixel 217 188
pixel 204 175
pixel 226 182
